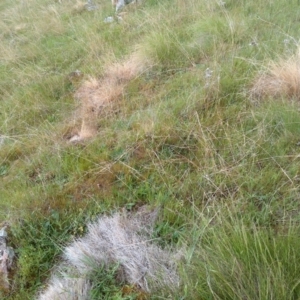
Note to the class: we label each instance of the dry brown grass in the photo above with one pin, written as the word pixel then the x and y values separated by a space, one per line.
pixel 98 97
pixel 281 79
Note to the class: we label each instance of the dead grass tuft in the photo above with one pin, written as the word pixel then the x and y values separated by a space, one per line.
pixel 66 288
pixel 132 67
pixel 282 79
pixel 120 239
pixel 79 6
pixel 99 96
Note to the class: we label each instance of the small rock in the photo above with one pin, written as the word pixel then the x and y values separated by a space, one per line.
pixel 3 233
pixel 90 6
pixel 109 20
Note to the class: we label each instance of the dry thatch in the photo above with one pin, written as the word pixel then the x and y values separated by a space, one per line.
pixel 98 96
pixel 281 79
pixel 66 288
pixel 118 239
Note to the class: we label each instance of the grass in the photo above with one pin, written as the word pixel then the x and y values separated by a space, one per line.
pixel 244 264
pixel 192 127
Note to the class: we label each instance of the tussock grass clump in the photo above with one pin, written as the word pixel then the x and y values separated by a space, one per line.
pixel 281 79
pixel 118 240
pixel 232 260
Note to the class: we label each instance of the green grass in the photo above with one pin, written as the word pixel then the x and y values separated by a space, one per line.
pixel 186 136
pixel 232 260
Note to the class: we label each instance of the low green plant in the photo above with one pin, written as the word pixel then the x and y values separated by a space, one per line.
pixel 104 284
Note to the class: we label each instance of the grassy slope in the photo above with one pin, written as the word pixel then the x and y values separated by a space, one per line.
pixel 224 167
